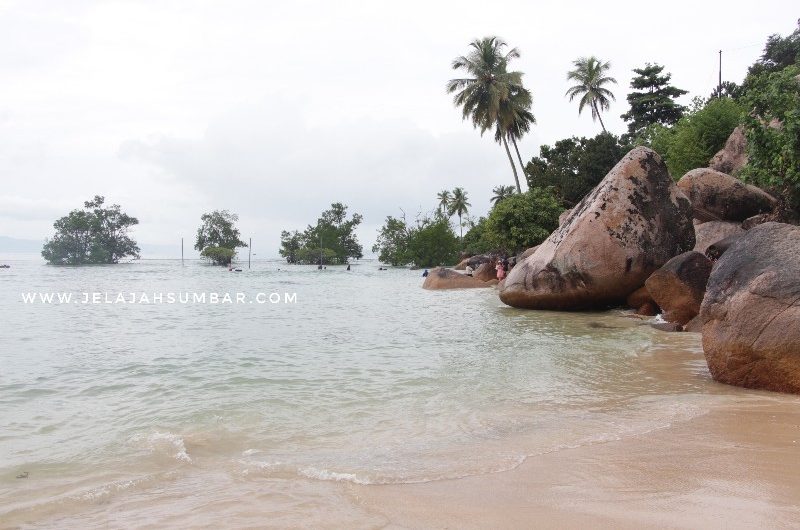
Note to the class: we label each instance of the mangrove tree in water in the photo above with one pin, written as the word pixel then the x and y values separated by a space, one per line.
pixel 92 235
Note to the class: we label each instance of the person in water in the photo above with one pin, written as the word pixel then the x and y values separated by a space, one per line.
pixel 425 273
pixel 348 266
pixel 501 272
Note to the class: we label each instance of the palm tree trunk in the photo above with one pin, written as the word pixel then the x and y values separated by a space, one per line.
pixel 511 161
pixel 461 228
pixel 521 165
pixel 594 105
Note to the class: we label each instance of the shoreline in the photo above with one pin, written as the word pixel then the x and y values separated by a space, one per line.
pixel 733 467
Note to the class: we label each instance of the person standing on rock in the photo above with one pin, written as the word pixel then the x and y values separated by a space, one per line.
pixel 469 270
pixel 501 272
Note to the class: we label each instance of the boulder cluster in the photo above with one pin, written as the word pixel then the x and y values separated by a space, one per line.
pixel 704 253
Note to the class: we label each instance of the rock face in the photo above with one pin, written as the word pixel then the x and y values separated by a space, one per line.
pixel 751 312
pixel 716 250
pixel 678 287
pixel 633 222
pixel 526 253
pixel 441 278
pixel 638 298
pixel 716 196
pixel 707 234
pixel 642 302
pixel 485 272
pixel 731 158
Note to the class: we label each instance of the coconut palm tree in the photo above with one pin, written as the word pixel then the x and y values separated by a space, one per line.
pixel 501 192
pixel 515 119
pixel 459 206
pixel 590 76
pixel 444 197
pixel 488 84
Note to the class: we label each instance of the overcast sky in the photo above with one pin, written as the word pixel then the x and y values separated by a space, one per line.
pixel 273 110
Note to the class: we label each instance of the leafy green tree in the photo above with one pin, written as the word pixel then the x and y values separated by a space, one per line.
pixel 93 235
pixel 392 244
pixel 728 89
pixel 475 240
pixel 218 230
pixel 331 240
pixel 590 77
pixel 488 85
pixel 652 99
pixel 291 243
pixel 692 141
pixel 218 255
pixel 522 220
pixel 779 53
pixel 500 193
pixel 432 242
pixel 772 128
pixel 573 166
pixel 459 206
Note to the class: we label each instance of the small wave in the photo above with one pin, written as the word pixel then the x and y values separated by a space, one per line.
pixel 324 474
pixel 164 442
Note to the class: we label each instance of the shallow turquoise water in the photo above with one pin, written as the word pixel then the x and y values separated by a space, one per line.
pixel 367 378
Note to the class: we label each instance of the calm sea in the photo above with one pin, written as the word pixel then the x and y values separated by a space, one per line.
pixel 126 414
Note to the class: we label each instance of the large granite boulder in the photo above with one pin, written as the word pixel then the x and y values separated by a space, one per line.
pixel 706 234
pixel 716 196
pixel 678 287
pixel 525 253
pixel 733 157
pixel 642 302
pixel 486 271
pixel 473 261
pixel 716 250
pixel 633 222
pixel 751 311
pixel 442 278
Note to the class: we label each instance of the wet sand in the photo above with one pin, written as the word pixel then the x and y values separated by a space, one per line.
pixel 736 467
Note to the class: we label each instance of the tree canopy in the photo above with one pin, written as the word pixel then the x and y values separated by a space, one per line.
pixel 574 166
pixel 694 139
pixel 428 243
pixel 218 237
pixel 331 240
pixel 652 99
pixel 93 235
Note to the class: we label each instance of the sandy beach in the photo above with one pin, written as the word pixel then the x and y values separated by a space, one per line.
pixel 734 467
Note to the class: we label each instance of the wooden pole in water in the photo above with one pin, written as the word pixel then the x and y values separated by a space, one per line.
pixel 181 252
pixel 249 252
pixel 719 84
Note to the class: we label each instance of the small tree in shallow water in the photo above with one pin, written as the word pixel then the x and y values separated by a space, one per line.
pixel 333 232
pixel 217 237
pixel 94 235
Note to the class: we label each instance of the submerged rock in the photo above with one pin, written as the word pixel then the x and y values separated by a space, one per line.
pixel 751 311
pixel 667 326
pixel 716 196
pixel 733 157
pixel 633 222
pixel 678 287
pixel 442 278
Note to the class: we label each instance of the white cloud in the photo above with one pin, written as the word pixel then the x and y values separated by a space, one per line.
pixel 274 110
